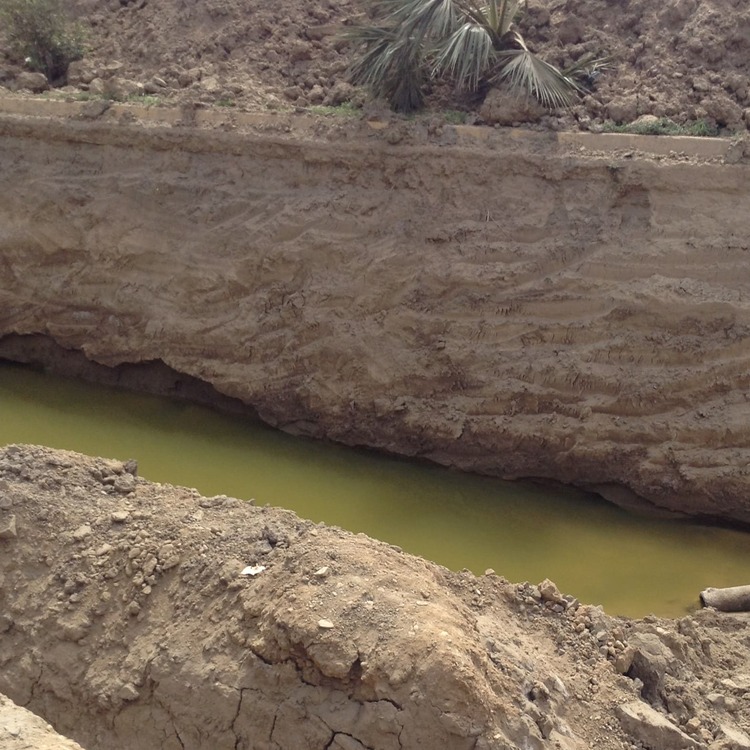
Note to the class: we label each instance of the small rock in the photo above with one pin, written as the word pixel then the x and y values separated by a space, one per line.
pixel 34 82
pixel 80 71
pixel 73 629
pixel 128 692
pixel 125 483
pixel 652 728
pixel 693 725
pixel 152 88
pixel 120 516
pixel 624 660
pixel 340 93
pixel 8 528
pixel 550 592
pixel 149 566
pixel 134 608
pixel 103 550
pixel 325 624
pixel 211 85
pixel 623 109
pixel 717 700
pixel 82 532
pixel 731 738
pixel 321 572
pixel 121 89
pixel 94 109
pixel 646 120
pixel 316 94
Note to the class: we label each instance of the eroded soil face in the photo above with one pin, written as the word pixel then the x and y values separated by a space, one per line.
pixel 128 623
pixel 506 305
pixel 684 59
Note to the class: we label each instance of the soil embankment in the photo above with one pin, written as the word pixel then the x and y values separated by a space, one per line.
pixel 507 304
pixel 129 620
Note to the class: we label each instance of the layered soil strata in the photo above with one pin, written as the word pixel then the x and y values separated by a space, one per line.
pixel 508 305
pixel 138 615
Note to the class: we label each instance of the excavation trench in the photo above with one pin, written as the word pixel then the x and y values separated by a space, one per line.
pixel 508 306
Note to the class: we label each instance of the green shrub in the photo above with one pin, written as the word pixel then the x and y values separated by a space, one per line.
pixel 40 32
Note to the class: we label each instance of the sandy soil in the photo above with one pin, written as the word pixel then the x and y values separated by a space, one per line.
pixel 127 622
pixel 510 305
pixel 685 59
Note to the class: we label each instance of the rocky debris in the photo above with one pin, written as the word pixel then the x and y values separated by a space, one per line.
pixel 663 62
pixel 8 527
pixel 653 729
pixel 730 738
pixel 649 661
pixel 30 81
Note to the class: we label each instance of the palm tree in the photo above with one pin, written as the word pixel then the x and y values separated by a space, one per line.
pixel 471 41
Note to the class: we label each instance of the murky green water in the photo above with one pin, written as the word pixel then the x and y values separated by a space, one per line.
pixel 592 550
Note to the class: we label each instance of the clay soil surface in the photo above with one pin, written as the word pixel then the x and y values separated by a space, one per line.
pixel 138 615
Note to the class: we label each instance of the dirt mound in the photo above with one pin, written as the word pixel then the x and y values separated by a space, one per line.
pixel 683 59
pixel 141 615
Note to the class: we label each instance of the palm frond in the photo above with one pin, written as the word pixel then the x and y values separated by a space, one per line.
pixel 467 56
pixel 526 72
pixel 391 66
pixel 587 70
pixel 438 18
pixel 376 58
pixel 507 14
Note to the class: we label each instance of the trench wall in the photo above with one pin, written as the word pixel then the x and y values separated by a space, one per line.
pixel 520 305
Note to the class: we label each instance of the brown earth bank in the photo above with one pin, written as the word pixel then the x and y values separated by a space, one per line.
pixel 683 59
pixel 137 615
pixel 516 304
